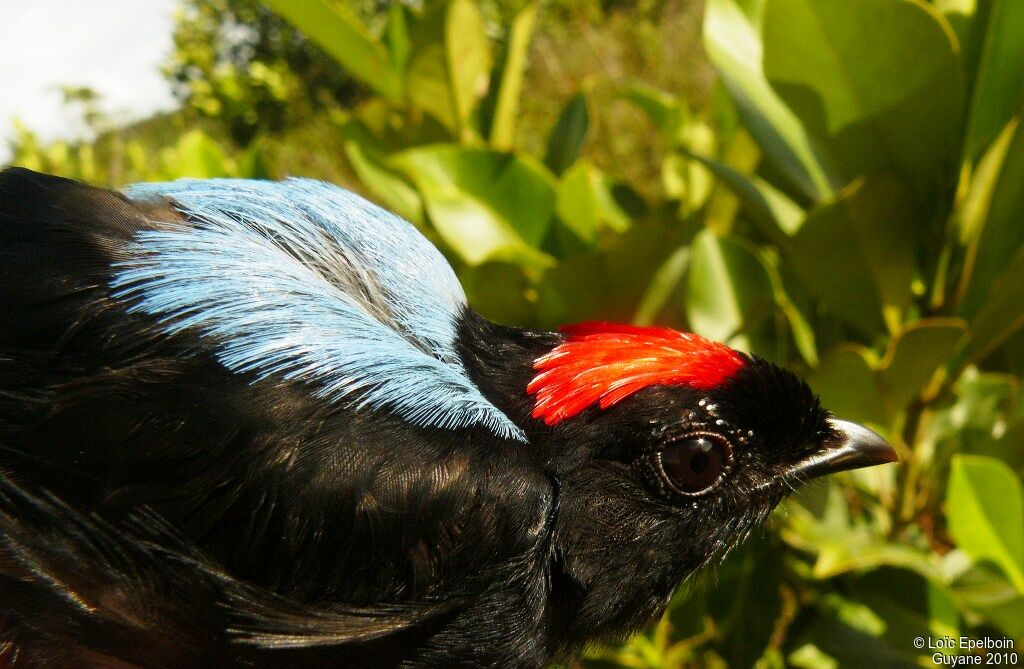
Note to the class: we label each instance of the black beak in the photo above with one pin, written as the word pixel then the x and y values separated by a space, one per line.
pixel 854 446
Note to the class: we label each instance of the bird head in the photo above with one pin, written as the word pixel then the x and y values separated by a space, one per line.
pixel 292 380
pixel 668 449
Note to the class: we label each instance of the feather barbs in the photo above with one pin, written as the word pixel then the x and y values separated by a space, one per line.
pixel 604 363
pixel 310 283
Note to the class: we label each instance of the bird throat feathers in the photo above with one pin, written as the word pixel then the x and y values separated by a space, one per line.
pixel 604 363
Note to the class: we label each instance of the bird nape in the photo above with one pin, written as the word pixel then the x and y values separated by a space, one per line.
pixel 256 423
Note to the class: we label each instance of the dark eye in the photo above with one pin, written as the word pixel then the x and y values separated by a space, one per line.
pixel 695 463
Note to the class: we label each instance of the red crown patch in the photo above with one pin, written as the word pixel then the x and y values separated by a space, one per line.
pixel 605 363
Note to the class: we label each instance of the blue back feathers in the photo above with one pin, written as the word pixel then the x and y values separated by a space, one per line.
pixel 306 280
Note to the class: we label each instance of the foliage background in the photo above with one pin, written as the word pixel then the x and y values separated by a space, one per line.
pixel 836 185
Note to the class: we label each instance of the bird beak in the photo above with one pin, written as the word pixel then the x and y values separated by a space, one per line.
pixel 854 446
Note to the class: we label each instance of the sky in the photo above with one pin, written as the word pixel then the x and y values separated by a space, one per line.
pixel 113 46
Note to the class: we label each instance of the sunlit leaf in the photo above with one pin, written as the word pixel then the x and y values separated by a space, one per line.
pixel 962 16
pixel 982 417
pixel 863 551
pixel 585 204
pixel 388 184
pixel 733 43
pixel 577 205
pixel 996 233
pixel 426 78
pixel 688 181
pixel 727 285
pixel 972 209
pixel 339 33
pixel 468 54
pixel 198 156
pixel 773 212
pixel 842 67
pixel 396 36
pixel 485 204
pixel 503 127
pixel 909 604
pixel 985 507
pixel 984 590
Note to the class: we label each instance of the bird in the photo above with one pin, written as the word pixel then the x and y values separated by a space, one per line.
pixel 256 423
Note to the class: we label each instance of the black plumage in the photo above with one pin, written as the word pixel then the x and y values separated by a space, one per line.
pixel 159 509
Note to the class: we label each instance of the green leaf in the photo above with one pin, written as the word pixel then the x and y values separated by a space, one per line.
pixel 397 36
pixel 845 381
pixel 733 43
pixel 390 185
pixel 842 51
pixel 486 205
pixel 468 54
pixel 566 138
pixel 862 551
pixel 963 17
pixel 857 253
pixel 251 163
pixel 847 634
pixel 985 591
pixel 982 418
pixel 996 232
pixel 999 83
pixel 843 68
pixel 339 33
pixel 686 180
pixel 609 280
pixel 198 156
pixel 775 214
pixel 914 354
pixel 577 204
pixel 746 601
pixel 972 209
pixel 985 509
pixel 785 291
pixel 727 287
pixel 822 525
pixel 427 79
pixel 585 203
pixel 1001 315
pixel 742 156
pixel 666 284
pixel 667 112
pixel 909 604
pixel 502 292
pixel 503 127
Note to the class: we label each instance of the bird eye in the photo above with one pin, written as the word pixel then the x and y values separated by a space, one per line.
pixel 695 463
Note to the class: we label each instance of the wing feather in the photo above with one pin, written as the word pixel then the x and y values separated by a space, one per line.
pixel 77 591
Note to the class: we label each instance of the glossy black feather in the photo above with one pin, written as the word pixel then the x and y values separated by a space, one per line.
pixel 141 594
pixel 318 503
pixel 157 509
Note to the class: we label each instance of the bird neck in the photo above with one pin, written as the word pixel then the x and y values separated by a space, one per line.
pixel 500 361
